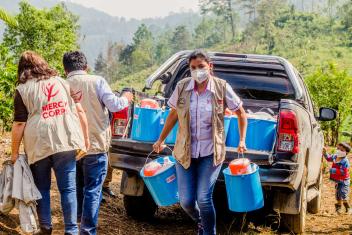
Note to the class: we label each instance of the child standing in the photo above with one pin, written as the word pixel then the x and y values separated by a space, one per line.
pixel 339 173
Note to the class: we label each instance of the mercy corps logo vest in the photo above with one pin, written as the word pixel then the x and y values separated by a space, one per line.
pixel 52 108
pixel 53 125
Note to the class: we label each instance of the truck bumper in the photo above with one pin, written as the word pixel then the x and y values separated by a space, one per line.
pixel 279 174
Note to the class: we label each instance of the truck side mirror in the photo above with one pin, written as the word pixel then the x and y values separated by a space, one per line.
pixel 165 78
pixel 327 114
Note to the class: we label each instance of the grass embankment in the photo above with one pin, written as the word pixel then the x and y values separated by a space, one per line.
pixel 136 80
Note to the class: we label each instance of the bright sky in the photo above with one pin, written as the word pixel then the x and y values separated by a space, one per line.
pixel 140 8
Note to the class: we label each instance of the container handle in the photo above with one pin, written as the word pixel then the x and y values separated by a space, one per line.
pixel 146 160
pixel 238 155
pixel 124 136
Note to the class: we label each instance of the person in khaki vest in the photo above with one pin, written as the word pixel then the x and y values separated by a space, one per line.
pixel 96 97
pixel 198 104
pixel 54 129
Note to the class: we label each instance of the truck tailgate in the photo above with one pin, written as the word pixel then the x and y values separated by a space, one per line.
pixel 142 149
pixel 130 155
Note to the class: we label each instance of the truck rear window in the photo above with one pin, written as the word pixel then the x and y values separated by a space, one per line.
pixel 259 87
pixel 253 83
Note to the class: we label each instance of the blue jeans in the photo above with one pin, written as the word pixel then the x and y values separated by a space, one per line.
pixel 64 165
pixel 342 190
pixel 91 172
pixel 195 187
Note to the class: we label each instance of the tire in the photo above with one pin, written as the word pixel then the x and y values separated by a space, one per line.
pixel 140 207
pixel 314 205
pixel 296 223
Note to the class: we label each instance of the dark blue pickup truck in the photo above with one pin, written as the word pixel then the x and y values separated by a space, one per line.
pixel 290 173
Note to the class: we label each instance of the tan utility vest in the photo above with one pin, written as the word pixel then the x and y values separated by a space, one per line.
pixel 182 149
pixel 85 86
pixel 53 125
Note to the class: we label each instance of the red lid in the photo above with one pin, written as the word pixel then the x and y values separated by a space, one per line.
pixel 149 103
pixel 151 168
pixel 239 166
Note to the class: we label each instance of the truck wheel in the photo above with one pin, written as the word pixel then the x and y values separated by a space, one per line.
pixel 314 204
pixel 140 207
pixel 296 223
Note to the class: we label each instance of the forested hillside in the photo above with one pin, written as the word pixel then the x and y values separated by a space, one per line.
pixel 93 38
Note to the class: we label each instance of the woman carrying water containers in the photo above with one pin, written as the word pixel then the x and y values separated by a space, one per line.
pixel 198 105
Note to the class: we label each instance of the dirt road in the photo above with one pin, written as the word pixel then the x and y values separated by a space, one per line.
pixel 113 220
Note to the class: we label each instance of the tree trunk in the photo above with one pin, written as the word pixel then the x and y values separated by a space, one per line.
pixel 255 9
pixel 229 4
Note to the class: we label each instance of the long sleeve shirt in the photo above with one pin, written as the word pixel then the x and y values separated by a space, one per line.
pixel 112 102
pixel 105 95
pixel 339 170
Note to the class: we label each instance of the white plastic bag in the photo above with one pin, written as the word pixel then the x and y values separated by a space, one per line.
pixel 7 203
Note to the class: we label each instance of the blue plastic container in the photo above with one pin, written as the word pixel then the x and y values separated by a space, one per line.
pixel 233 137
pixel 146 124
pixel 227 121
pixel 171 138
pixel 244 192
pixel 260 134
pixel 163 186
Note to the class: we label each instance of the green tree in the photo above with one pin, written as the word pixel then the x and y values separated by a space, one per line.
pixel 7 18
pixel 7 75
pixel 125 56
pixel 112 61
pixel 181 39
pixel 207 33
pixel 100 65
pixel 331 6
pixel 142 55
pixel 141 59
pixel 223 9
pixel 332 87
pixel 50 32
pixel 8 71
pixel 268 11
pixel 142 35
pixel 263 30
pixel 297 32
pixel 345 16
pixel 250 7
pixel 163 49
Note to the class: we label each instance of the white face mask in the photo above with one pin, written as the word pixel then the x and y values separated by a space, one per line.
pixel 200 75
pixel 340 153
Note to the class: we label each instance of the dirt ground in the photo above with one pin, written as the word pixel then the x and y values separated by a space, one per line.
pixel 172 220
